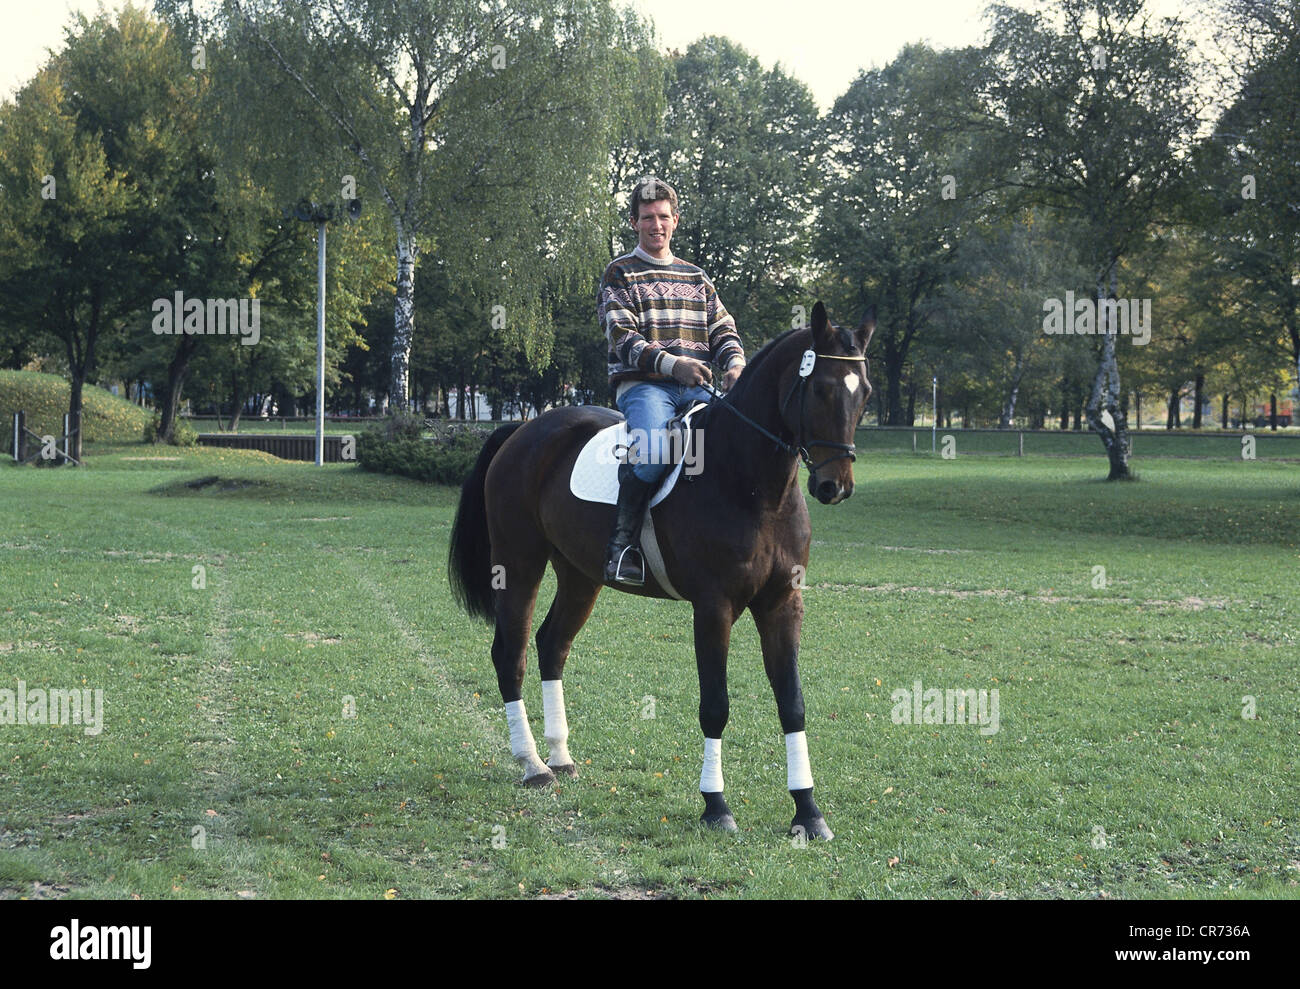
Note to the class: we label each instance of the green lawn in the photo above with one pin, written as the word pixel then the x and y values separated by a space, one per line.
pixel 1122 765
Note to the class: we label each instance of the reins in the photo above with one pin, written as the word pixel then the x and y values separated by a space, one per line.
pixel 801 382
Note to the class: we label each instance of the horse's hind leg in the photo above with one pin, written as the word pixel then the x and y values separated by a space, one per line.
pixel 574 598
pixel 514 618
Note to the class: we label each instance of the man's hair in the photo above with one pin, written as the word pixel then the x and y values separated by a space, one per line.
pixel 648 190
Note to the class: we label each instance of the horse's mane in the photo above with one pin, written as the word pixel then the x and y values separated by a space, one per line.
pixel 748 376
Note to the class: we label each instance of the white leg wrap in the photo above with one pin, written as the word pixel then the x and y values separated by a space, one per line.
pixel 711 774
pixel 556 731
pixel 798 771
pixel 522 746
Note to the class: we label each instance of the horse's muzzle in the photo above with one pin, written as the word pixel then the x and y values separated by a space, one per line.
pixel 828 492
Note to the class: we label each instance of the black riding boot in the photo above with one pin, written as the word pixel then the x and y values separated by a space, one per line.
pixel 624 562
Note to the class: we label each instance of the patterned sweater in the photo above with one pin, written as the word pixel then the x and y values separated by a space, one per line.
pixel 654 311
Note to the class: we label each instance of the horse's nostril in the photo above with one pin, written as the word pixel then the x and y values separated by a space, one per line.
pixel 826 490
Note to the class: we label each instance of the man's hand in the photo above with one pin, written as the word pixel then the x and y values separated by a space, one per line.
pixel 688 371
pixel 729 378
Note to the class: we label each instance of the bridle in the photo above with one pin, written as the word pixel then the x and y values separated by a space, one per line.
pixel 806 366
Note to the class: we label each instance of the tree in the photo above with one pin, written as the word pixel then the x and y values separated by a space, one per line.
pixel 740 146
pixel 481 126
pixel 1250 170
pixel 1099 109
pixel 900 188
pixel 93 163
pixel 992 325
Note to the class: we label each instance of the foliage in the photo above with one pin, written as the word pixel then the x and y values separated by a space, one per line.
pixel 182 432
pixel 397 446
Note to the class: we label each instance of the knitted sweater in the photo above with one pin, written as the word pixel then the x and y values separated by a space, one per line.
pixel 654 311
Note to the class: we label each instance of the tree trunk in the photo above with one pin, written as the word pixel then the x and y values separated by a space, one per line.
pixel 176 372
pixel 1009 408
pixel 403 319
pixel 911 403
pixel 81 365
pixel 1137 409
pixel 1198 399
pixel 237 392
pixel 1272 411
pixel 1105 393
pixel 75 388
pixel 1224 423
pixel 893 388
pixel 1171 411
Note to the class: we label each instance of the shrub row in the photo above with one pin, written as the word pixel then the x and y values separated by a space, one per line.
pixel 398 446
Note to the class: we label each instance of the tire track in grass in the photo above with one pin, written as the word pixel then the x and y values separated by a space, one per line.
pixel 212 749
pixel 492 732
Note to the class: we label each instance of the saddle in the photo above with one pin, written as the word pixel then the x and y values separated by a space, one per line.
pixel 595 473
pixel 595 478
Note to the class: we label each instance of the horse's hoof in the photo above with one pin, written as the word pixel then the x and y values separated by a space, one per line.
pixel 813 827
pixel 719 822
pixel 567 770
pixel 541 779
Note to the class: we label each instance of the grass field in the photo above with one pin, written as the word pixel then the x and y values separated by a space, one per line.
pixel 1123 764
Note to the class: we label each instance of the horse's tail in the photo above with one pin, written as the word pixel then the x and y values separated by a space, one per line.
pixel 469 561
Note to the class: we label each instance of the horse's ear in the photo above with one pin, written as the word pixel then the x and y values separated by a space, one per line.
pixel 820 326
pixel 867 328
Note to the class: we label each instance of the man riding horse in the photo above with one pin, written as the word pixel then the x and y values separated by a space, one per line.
pixel 664 323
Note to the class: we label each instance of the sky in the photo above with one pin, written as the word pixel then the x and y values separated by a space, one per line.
pixel 824 43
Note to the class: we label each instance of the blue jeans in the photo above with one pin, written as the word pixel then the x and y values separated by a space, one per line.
pixel 647 406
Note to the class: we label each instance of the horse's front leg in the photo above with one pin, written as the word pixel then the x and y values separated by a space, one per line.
pixel 713 623
pixel 779 624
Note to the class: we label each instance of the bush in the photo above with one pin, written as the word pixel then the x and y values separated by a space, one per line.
pixel 397 446
pixel 183 434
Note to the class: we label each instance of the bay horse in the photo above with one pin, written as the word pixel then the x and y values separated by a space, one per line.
pixel 735 536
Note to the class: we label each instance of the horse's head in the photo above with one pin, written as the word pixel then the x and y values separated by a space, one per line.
pixel 822 405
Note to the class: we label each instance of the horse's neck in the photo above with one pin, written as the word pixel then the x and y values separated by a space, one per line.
pixel 747 464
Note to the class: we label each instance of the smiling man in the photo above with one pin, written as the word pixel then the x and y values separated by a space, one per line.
pixel 664 323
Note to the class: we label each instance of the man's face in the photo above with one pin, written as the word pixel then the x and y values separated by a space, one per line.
pixel 655 226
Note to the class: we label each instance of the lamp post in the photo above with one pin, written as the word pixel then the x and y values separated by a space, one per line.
pixel 934 413
pixel 321 214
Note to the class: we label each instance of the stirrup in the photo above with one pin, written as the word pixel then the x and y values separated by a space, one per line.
pixel 618 577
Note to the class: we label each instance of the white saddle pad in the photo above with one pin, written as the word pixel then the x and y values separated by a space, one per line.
pixel 595 473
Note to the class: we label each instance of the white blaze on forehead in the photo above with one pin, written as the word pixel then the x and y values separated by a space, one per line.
pixel 851 382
